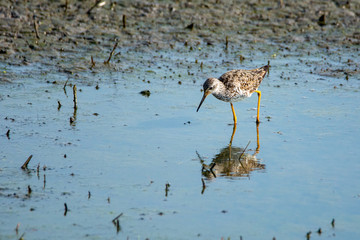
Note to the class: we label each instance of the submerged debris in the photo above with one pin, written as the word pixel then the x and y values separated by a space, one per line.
pixel 116 222
pixel 124 21
pixel 25 165
pixel 92 63
pixel 59 105
pixel 98 3
pixel 308 234
pixel 72 120
pixel 167 186
pixel 111 53
pixel 190 26
pixel 66 209
pixel 226 42
pixel 203 186
pixel 145 93
pixel 117 217
pixel 17 228
pixel 321 21
pixel 29 191
pixel 75 96
pixel 242 58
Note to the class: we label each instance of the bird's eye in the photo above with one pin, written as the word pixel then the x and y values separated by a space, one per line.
pixel 211 88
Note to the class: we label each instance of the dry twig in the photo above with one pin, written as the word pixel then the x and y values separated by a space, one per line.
pixel 75 97
pixel 36 27
pixel 203 186
pixel 124 21
pixel 92 63
pixel 25 165
pixel 66 209
pixel 116 218
pixel 97 3
pixel 111 53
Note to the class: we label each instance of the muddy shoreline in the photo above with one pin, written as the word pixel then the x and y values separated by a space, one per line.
pixel 65 35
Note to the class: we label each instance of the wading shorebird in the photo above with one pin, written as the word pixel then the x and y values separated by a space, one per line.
pixel 234 86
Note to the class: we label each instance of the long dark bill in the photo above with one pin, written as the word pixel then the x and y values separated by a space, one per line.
pixel 202 100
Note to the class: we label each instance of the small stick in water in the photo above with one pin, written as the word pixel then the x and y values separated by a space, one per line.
pixel 117 217
pixel 111 54
pixel 118 228
pixel 75 96
pixel 59 105
pixel 8 134
pixel 17 228
pixel 38 171
pixel 65 87
pixel 308 234
pixel 244 150
pixel 89 194
pixel 211 169
pixel 226 42
pixel 203 186
pixel 29 190
pixel 167 185
pixel 24 166
pixel 97 3
pixel 66 209
pixel 124 21
pixel 44 181
pixel 92 63
pixel 36 27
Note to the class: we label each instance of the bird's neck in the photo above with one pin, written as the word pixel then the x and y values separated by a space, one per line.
pixel 221 92
pixel 220 87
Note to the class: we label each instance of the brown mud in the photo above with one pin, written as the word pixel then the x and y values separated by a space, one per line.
pixel 66 35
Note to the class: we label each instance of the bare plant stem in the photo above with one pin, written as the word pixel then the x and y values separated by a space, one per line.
pixel 25 165
pixel 75 97
pixel 111 54
pixel 36 27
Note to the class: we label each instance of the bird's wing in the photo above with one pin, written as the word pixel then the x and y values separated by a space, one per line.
pixel 248 80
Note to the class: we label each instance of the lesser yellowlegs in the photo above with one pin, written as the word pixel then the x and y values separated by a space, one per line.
pixel 234 86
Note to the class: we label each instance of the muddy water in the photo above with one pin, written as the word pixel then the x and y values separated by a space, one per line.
pixel 151 157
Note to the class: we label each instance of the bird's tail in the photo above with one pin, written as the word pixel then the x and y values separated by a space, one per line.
pixel 265 69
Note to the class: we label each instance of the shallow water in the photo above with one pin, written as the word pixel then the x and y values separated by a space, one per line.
pixel 124 148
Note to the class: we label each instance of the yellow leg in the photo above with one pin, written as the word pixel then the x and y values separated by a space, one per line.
pixel 234 115
pixel 258 107
pixel 232 136
pixel 257 139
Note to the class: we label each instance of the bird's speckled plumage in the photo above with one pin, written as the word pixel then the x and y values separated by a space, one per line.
pixel 235 85
pixel 238 84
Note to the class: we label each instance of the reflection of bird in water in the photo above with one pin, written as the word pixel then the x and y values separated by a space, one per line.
pixel 233 161
pixel 234 86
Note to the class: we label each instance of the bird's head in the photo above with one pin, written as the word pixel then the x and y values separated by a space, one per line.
pixel 210 85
